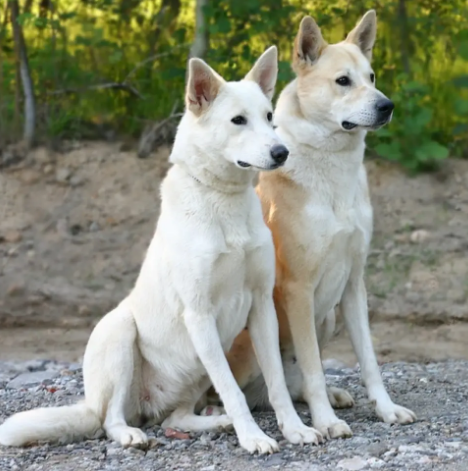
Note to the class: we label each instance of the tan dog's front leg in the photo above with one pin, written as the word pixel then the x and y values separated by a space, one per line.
pixel 263 328
pixel 300 308
pixel 354 305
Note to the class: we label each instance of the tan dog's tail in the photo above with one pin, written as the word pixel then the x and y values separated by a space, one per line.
pixel 55 424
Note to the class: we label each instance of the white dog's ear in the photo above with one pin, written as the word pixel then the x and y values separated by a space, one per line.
pixel 308 45
pixel 203 86
pixel 363 35
pixel 265 71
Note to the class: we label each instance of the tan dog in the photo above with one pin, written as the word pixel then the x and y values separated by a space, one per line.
pixel 318 209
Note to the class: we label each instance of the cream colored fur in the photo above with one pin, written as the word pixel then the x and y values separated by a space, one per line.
pixel 318 209
pixel 208 272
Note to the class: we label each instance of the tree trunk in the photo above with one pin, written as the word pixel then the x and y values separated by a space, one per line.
pixel 405 44
pixel 201 43
pixel 28 89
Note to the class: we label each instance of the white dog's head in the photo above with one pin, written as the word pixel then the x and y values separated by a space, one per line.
pixel 230 121
pixel 336 83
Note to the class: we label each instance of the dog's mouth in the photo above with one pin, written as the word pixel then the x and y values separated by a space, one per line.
pixel 273 166
pixel 347 125
pixel 243 164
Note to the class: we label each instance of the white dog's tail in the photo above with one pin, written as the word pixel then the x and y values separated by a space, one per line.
pixel 59 424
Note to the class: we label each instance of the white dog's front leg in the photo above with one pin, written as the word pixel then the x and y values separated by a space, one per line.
pixel 356 317
pixel 263 328
pixel 205 338
pixel 301 316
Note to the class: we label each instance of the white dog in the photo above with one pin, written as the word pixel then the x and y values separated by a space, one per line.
pixel 318 209
pixel 208 272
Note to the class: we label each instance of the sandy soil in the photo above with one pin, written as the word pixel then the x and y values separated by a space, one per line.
pixel 74 227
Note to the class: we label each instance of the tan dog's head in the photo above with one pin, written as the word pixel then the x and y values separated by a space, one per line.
pixel 336 83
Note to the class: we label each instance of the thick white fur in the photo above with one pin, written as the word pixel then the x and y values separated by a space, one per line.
pixel 208 272
pixel 320 214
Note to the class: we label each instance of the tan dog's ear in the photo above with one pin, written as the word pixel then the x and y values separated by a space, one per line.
pixel 265 71
pixel 363 35
pixel 308 45
pixel 203 86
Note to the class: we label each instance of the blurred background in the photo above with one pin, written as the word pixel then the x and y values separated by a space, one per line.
pixel 90 96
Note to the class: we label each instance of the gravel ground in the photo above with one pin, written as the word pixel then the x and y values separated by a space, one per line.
pixel 437 392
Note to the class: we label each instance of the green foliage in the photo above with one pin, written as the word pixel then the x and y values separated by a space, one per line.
pixel 421 61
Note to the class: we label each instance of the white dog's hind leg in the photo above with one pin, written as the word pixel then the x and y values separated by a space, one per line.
pixel 111 368
pixel 263 328
pixel 355 312
pixel 205 338
pixel 185 419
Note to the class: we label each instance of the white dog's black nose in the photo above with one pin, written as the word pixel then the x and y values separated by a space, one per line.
pixel 385 107
pixel 279 154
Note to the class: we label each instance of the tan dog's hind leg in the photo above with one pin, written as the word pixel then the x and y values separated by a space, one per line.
pixel 244 366
pixel 339 398
pixel 300 307
pixel 355 312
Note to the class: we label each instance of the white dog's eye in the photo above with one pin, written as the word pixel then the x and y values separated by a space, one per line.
pixel 239 120
pixel 372 78
pixel 343 81
pixel 269 116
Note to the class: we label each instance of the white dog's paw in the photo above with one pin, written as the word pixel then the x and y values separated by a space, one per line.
pixel 300 434
pixel 339 398
pixel 336 429
pixel 395 414
pixel 258 443
pixel 134 437
pixel 213 410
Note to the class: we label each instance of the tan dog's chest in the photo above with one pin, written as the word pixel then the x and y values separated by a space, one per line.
pixel 336 248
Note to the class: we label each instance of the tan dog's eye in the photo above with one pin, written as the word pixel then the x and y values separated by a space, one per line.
pixel 372 78
pixel 343 81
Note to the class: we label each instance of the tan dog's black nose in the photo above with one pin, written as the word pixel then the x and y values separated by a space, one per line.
pixel 384 107
pixel 279 154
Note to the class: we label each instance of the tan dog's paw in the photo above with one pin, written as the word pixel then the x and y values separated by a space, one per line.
pixel 339 398
pixel 338 429
pixel 300 434
pixel 259 443
pixel 395 414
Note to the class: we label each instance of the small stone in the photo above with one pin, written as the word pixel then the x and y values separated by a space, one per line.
pixel 419 236
pixel 412 297
pixel 48 169
pixel 171 433
pixel 331 363
pixel 31 379
pixel 377 449
pixel 15 289
pixel 456 295
pixel 94 227
pixel 62 175
pixel 76 180
pixel 13 237
pixel 30 176
pixel 62 227
pixel 275 460
pixel 84 311
pixel 353 464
